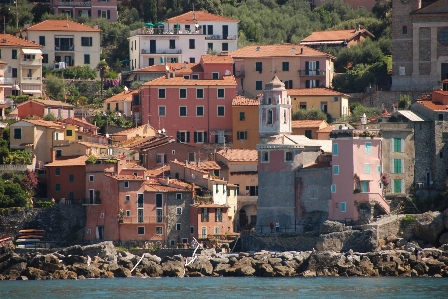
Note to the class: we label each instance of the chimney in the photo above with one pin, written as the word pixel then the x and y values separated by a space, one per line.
pixel 186 162
pixel 301 50
pixel 52 154
pixel 363 119
pixel 185 64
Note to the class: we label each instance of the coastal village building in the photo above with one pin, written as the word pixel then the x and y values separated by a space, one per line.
pixel 184 38
pixel 281 158
pixel 24 70
pixel 40 108
pixel 245 123
pixel 337 38
pixel 189 70
pixel 308 128
pixel 121 102
pixel 296 65
pixel 106 9
pixel 65 41
pixel 419 44
pixel 329 101
pixel 5 87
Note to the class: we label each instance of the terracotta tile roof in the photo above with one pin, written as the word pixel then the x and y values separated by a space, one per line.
pixel 208 205
pixel 179 67
pixel 61 25
pixel 433 106
pixel 44 123
pixel 326 129
pixel 130 130
pixel 242 101
pixel 239 154
pixel 154 186
pixel 158 172
pixel 163 81
pixel 190 166
pixel 122 96
pixel 335 35
pixel 298 124
pixel 90 144
pixel 216 59
pixel 193 16
pixel 14 41
pixel 277 51
pixel 207 165
pixel 314 92
pixel 126 177
pixel 49 103
pixel 324 164
pixel 80 121
pixel 69 161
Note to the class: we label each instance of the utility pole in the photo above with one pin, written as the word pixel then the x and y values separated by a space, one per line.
pixel 17 15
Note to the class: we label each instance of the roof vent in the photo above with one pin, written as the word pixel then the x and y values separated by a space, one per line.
pixel 258 49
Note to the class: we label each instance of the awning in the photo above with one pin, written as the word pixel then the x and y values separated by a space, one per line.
pixel 33 91
pixel 31 51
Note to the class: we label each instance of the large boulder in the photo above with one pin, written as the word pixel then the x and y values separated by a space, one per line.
pixel 443 238
pixel 331 227
pixel 445 216
pixel 152 269
pixel 428 226
pixel 105 250
pixel 34 274
pixel 173 268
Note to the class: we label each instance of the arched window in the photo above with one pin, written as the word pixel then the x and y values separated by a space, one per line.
pixel 269 117
pixel 269 101
pixel 405 29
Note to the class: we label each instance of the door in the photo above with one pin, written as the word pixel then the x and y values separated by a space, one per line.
pixel 152 46
pixel 68 60
pixel 100 232
pixel 243 218
pixel 91 196
pixel 225 31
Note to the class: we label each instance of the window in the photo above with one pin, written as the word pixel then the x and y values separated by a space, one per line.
pixel 405 29
pixel 190 157
pixel 17 133
pixel 105 14
pixel 127 198
pixel 225 47
pixel 58 187
pixel 159 230
pixel 368 148
pixel 192 60
pixel 183 136
pixel 128 213
pixel 199 110
pixel 285 66
pixel 443 36
pixel 199 93
pixel 162 111
pixel 182 110
pixel 367 168
pixel 398 145
pixel 200 137
pixel 89 231
pixel 86 41
pixel 57 171
pixel 312 83
pixel 69 132
pixel 14 72
pixel 333 188
pixel 258 85
pixel 42 40
pixel 343 206
pixel 241 135
pixel 302 105
pixel 215 76
pixel 309 134
pixel 191 229
pixel 179 209
pixel 161 158
pixel 221 111
pixel 210 47
pixel 288 156
pixel 177 226
pixel 151 61
pixel 195 76
pixel 218 215
pixel 182 93
pixel 58 152
pixel 258 66
pixel 86 58
pixel 251 191
pixel 335 169
pixel 397 166
pixel 161 93
pixel 204 215
pixel 378 168
pixel 172 44
pixel 191 44
pixel 71 178
pixel 209 29
pixel 264 156
pixel 14 53
pixel 159 206
pixel 397 186
pixel 324 107
pixel 126 184
pixel 242 116
pixel 91 177
pixel 140 230
pixel 335 149
pixel 44 58
pixel 220 93
pixel 440 114
pixel 269 117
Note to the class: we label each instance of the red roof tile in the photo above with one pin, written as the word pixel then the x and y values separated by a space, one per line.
pixel 326 129
pixel 61 25
pixel 8 40
pixel 216 59
pixel 193 16
pixel 242 101
pixel 433 106
pixel 178 67
pixel 314 92
pixel 163 81
pixel 298 124
pixel 122 96
pixel 335 35
pixel 277 51
pixel 69 161
pixel 239 154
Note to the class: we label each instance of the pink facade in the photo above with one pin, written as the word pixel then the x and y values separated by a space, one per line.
pixel 106 9
pixel 209 219
pixel 356 176
pixel 40 109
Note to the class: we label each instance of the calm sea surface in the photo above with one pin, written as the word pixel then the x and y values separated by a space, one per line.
pixel 229 287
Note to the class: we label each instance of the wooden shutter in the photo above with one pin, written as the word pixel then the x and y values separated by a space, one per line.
pixel 205 137
pixel 402 145
pixel 188 137
pixel 165 159
pixel 392 145
pixel 195 137
pixel 178 136
pixel 90 41
pixel 307 84
pixel 108 14
pixel 402 165
pixel 391 165
pixel 307 68
pixel 317 83
pixel 99 13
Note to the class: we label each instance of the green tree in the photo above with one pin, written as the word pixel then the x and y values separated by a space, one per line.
pixel 110 118
pixel 404 102
pixel 49 117
pixel 309 114
pixel 55 87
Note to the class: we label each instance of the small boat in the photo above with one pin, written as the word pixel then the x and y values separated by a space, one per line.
pixel 27 240
pixel 31 245
pixel 5 239
pixel 29 236
pixel 32 231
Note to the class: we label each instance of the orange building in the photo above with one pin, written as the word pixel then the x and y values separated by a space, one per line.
pixel 209 219
pixel 339 38
pixel 308 128
pixel 245 123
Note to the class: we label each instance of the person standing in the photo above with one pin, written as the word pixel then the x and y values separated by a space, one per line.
pixel 271 226
pixel 277 227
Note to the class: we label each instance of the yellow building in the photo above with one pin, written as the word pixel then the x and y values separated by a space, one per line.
pixel 122 102
pixel 327 100
pixel 70 132
pixel 245 123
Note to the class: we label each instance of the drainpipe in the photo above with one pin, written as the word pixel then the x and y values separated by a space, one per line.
pixel 118 208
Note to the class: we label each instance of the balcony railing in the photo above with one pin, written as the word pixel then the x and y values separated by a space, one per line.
pixel 64 48
pixel 162 31
pixel 220 37
pixel 203 199
pixel 6 81
pixel 164 51
pixel 312 72
pixel 75 4
pixel 145 219
pixel 93 201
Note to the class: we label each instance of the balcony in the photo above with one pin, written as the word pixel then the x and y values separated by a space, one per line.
pixel 31 80
pixel 220 37
pixel 64 48
pixel 164 51
pixel 6 81
pixel 90 202
pixel 75 4
pixel 145 219
pixel 203 199
pixel 163 31
pixel 31 62
pixel 312 72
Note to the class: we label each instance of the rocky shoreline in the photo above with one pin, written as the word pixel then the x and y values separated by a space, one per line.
pixel 105 261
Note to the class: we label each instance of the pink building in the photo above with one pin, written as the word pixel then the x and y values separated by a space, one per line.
pixel 195 111
pixel 356 175
pixel 106 9
pixel 40 108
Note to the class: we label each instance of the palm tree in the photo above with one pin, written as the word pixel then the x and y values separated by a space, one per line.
pixel 103 67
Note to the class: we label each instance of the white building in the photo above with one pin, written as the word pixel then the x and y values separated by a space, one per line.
pixel 24 70
pixel 182 39
pixel 65 41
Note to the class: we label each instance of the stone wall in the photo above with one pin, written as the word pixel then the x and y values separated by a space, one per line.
pixel 385 99
pixel 57 221
pixel 278 242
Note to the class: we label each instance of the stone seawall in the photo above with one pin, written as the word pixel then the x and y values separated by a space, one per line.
pixel 278 241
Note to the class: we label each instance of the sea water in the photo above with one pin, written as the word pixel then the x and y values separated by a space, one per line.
pixel 229 287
